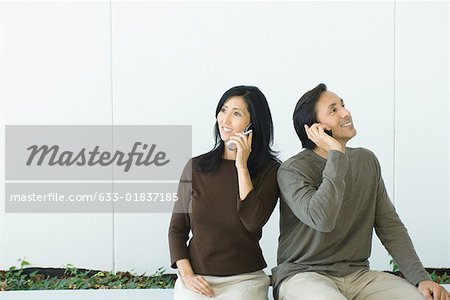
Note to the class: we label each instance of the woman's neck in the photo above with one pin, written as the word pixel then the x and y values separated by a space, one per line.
pixel 229 154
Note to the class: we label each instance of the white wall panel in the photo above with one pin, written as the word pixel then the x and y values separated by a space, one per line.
pixel 55 69
pixel 422 127
pixel 171 62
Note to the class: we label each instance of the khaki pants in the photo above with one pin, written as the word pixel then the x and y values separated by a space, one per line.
pixel 361 285
pixel 249 286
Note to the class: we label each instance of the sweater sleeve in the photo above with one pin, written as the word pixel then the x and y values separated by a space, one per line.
pixel 315 204
pixel 179 227
pixel 255 210
pixel 394 236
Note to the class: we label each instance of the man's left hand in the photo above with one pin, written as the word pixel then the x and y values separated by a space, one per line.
pixel 433 291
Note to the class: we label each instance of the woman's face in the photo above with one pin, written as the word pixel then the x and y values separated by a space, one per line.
pixel 233 117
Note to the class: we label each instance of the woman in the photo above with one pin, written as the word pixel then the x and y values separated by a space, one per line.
pixel 225 198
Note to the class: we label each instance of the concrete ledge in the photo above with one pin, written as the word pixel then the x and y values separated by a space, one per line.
pixel 142 294
pixel 138 294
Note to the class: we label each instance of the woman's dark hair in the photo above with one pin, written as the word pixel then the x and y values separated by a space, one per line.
pixel 305 113
pixel 262 126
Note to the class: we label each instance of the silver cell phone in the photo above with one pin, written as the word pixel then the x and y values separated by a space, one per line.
pixel 231 144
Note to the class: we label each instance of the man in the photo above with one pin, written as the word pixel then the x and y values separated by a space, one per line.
pixel 332 197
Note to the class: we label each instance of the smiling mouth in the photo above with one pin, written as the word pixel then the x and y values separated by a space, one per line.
pixel 347 124
pixel 226 129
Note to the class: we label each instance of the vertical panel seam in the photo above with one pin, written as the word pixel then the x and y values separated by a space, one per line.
pixel 394 148
pixel 113 242
pixel 448 119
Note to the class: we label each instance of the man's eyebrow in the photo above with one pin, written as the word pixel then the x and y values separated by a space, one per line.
pixel 331 106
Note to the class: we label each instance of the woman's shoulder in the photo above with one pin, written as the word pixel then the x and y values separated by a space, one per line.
pixel 200 163
pixel 196 159
pixel 273 162
pixel 270 165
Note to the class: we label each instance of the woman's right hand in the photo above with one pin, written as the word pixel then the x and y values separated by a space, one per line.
pixel 198 284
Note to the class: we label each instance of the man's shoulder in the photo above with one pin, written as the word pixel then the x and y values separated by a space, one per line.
pixel 307 157
pixel 303 161
pixel 360 152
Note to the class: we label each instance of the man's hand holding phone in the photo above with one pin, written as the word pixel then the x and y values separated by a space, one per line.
pixel 321 135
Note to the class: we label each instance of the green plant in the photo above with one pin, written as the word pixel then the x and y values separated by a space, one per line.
pixel 23 262
pixel 441 279
pixel 74 278
pixel 394 265
pixel 437 275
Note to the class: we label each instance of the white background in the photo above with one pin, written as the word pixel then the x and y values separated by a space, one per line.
pixel 169 63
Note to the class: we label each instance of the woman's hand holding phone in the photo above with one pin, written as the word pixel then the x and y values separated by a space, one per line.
pixel 231 144
pixel 244 148
pixel 243 143
pixel 320 134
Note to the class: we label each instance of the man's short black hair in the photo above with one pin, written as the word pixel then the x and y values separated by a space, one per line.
pixel 305 113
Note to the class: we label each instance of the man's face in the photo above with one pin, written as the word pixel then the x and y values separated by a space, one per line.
pixel 331 111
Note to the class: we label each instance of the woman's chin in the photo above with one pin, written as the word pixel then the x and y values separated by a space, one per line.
pixel 224 137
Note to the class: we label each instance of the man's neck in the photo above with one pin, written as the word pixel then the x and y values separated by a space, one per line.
pixel 323 153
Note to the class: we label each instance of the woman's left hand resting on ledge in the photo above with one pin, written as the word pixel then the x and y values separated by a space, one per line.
pixel 198 284
pixel 192 281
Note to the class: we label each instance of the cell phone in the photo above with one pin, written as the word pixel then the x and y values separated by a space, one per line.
pixel 231 144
